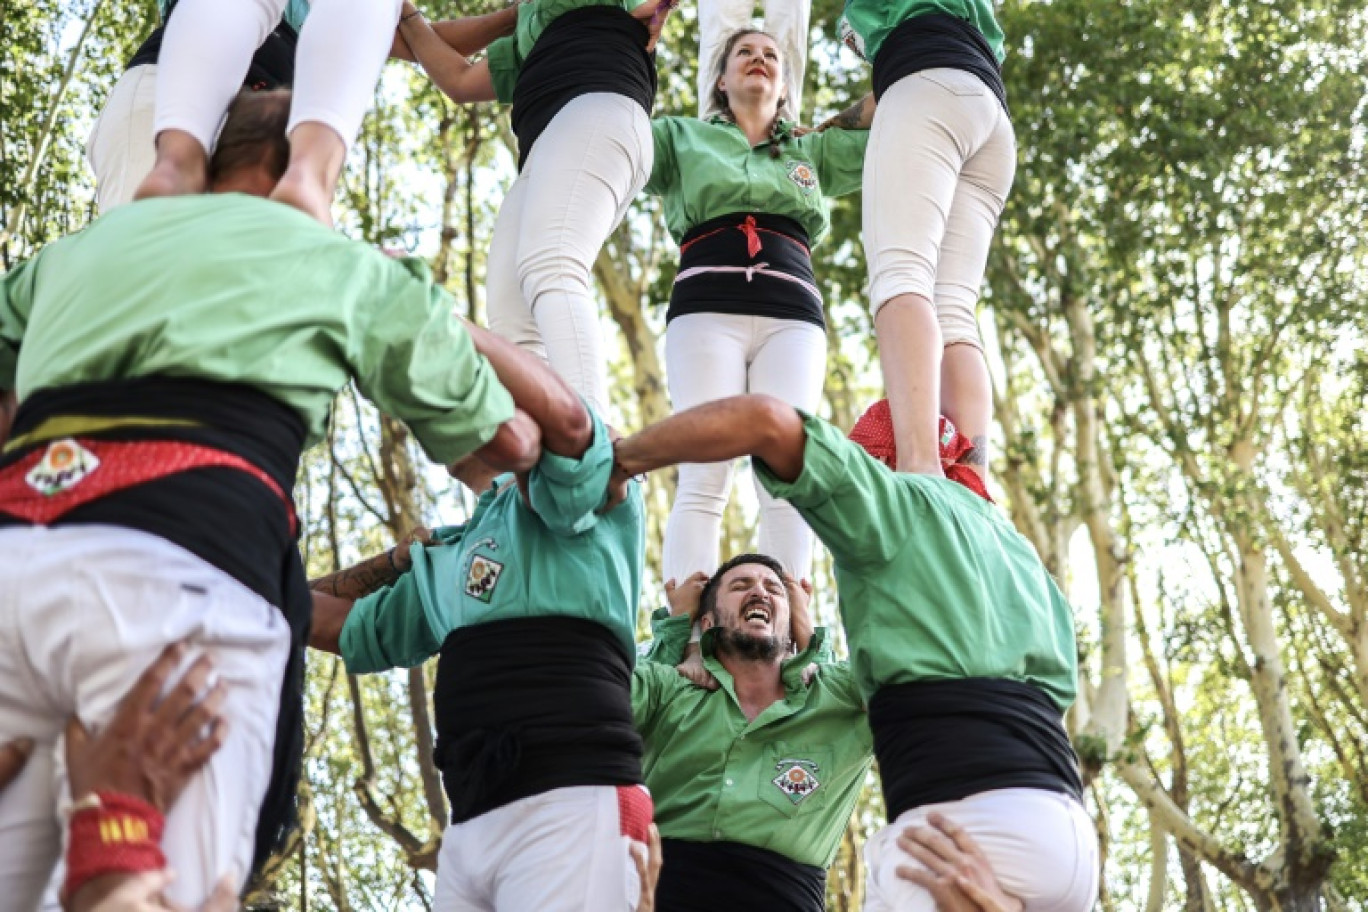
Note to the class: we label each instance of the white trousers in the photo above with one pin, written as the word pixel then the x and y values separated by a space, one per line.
pixel 83 611
pixel 785 20
pixel 711 356
pixel 120 150
pixel 561 851
pixel 574 189
pixel 940 162
pixel 1041 844
pixel 208 47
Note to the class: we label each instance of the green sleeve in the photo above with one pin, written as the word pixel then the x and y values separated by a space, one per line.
pixel 669 637
pixel 504 65
pixel 652 685
pixel 856 505
pixel 16 301
pixel 566 491
pixel 417 363
pixel 394 627
pixel 664 171
pixel 839 157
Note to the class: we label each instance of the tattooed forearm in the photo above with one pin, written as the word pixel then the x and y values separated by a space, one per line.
pixel 858 116
pixel 360 580
pixel 979 454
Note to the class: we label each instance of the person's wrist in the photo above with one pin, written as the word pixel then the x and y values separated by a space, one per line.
pixel 417 13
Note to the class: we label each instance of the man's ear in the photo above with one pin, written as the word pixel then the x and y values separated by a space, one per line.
pixel 705 620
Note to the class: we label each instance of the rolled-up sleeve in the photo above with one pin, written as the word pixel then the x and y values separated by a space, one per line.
pixel 566 490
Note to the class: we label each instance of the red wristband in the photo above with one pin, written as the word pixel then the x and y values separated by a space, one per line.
pixel 120 836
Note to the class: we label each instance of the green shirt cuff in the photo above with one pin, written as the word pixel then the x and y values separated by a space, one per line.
pixel 359 643
pixel 503 68
pixel 670 637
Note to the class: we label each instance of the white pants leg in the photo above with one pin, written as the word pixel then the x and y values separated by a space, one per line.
pixel 940 162
pixel 566 850
pixel 582 174
pixel 343 46
pixel 120 150
pixel 1041 844
pixel 789 363
pixel 83 611
pixel 711 356
pixel 206 50
pixel 705 359
pixel 786 20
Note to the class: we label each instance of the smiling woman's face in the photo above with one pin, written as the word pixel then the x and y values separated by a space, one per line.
pixel 754 68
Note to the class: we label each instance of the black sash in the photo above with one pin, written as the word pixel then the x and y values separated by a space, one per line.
pixel 272 65
pixel 937 41
pixel 587 50
pixel 735 877
pixel 224 516
pixel 946 740
pixel 728 241
pixel 528 705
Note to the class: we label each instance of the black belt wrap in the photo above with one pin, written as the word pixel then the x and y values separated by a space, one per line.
pixel 586 50
pixel 735 877
pixel 224 516
pixel 946 740
pixel 272 65
pixel 528 705
pixel 722 242
pixel 937 41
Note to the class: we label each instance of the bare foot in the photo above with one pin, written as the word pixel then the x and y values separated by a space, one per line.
pixel 307 194
pixel 182 167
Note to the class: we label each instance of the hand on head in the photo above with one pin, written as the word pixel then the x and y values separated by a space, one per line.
pixel 648 860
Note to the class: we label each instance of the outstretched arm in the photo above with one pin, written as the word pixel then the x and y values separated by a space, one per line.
pixel 566 428
pixel 859 116
pixel 467 35
pixel 360 580
pixel 458 78
pixel 760 426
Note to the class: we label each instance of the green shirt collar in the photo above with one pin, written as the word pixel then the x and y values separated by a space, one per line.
pixel 790 671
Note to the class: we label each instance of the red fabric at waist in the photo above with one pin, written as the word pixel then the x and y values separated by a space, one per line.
pixel 68 477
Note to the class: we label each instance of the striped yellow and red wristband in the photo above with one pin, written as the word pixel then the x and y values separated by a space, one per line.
pixel 112 833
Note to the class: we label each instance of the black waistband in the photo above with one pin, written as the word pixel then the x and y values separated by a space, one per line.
pixel 223 516
pixel 727 241
pixel 272 65
pixel 528 705
pixel 937 41
pixel 946 740
pixel 735 877
pixel 587 50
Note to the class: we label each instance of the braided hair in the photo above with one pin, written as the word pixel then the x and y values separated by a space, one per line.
pixel 721 102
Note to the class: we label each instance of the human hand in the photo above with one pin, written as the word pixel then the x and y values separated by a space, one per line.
pixel 154 743
pixel 618 479
pixel 648 861
pixel 402 554
pixel 956 873
pixel 800 617
pixel 654 13
pixel 692 668
pixel 684 598
pixel 13 756
pixel 143 893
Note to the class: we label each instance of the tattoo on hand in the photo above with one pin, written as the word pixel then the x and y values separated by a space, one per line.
pixel 979 454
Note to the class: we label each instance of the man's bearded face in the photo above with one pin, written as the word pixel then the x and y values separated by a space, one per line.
pixel 752 614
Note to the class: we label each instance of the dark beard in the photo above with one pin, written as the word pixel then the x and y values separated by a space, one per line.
pixel 747 647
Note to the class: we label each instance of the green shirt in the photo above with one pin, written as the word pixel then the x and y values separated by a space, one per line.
pixel 560 558
pixel 866 23
pixel 935 583
pixel 787 782
pixel 235 289
pixel 705 169
pixel 506 55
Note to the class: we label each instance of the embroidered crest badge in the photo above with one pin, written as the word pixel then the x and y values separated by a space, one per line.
pixel 801 173
pixel 65 464
pixel 797 779
pixel 482 578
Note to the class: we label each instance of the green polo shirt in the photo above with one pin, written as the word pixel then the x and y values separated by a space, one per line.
pixel 559 558
pixel 934 582
pixel 866 23
pixel 705 169
pixel 787 782
pixel 506 55
pixel 235 289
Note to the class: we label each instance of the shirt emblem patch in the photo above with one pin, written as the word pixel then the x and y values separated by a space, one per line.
pixel 797 779
pixel 482 578
pixel 65 465
pixel 801 173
